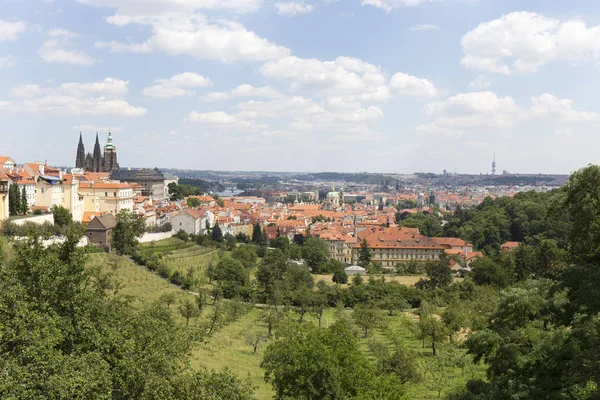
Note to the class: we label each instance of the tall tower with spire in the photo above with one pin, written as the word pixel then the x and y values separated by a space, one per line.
pixel 97 157
pixel 494 165
pixel 110 155
pixel 80 159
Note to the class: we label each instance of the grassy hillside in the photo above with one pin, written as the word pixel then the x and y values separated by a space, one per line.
pixel 228 346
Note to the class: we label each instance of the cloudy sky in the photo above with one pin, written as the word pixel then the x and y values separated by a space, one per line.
pixel 306 85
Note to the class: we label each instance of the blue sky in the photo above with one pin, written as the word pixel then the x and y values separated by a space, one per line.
pixel 314 85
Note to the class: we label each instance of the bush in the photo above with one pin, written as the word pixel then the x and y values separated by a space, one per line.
pixel 37 212
pixel 177 278
pixel 340 277
pixel 183 235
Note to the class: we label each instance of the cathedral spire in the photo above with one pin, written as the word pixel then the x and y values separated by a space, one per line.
pixel 80 159
pixel 97 157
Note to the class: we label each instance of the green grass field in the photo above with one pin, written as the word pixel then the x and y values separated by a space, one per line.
pixel 187 258
pixel 228 347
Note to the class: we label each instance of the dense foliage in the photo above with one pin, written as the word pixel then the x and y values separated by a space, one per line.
pixel 66 334
pixel 543 339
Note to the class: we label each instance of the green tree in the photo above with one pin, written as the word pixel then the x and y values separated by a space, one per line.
pixel 433 330
pixel 128 229
pixel 67 333
pixel 217 233
pixel 24 205
pixel 258 236
pixel 439 274
pixel 304 362
pixel 13 199
pixel 62 216
pixel 364 254
pixel 368 318
pixel 340 277
pixel 232 277
pixel 188 310
pixel 193 202
pixel 315 253
pixel 582 203
pixel 282 243
pixel 246 254
pixel 295 251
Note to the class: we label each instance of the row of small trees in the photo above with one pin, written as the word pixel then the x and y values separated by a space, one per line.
pixel 17 201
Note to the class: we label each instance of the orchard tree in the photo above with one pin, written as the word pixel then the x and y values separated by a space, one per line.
pixel 130 226
pixel 188 310
pixel 368 318
pixel 315 253
pixel 232 277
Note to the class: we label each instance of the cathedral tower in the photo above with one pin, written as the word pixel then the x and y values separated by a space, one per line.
pixel 80 159
pixel 110 155
pixel 97 157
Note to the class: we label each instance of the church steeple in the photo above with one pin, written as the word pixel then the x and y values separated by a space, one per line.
pixel 80 159
pixel 97 157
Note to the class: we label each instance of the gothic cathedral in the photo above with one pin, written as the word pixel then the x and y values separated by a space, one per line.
pixel 97 162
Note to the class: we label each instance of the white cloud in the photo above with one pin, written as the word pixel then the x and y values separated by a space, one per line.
pixel 223 121
pixel 57 49
pixel 478 111
pixel 477 102
pixel 345 76
pixel 194 35
pixel 11 30
pixel 177 85
pixel 564 132
pixel 388 5
pixel 75 98
pixel 524 41
pixel 412 86
pixel 244 90
pixel 480 83
pixel 423 27
pixel 53 51
pixel 108 87
pixel 346 80
pixel 161 7
pixel 8 61
pixel 60 32
pixel 467 111
pixel 291 9
pixel 94 128
pixel 26 91
pixel 548 105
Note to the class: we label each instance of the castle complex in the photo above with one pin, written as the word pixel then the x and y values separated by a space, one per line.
pixel 97 162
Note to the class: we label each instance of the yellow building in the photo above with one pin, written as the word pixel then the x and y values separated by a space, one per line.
pixel 4 184
pixel 109 197
pixel 390 246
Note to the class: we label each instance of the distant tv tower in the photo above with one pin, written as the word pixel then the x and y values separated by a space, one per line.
pixel 494 165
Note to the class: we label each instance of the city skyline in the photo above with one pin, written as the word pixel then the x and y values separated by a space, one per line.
pixel 397 86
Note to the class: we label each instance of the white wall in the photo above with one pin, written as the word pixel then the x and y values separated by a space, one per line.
pixel 36 219
pixel 152 237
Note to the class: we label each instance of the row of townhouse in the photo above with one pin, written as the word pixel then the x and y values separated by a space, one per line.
pixel 392 245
